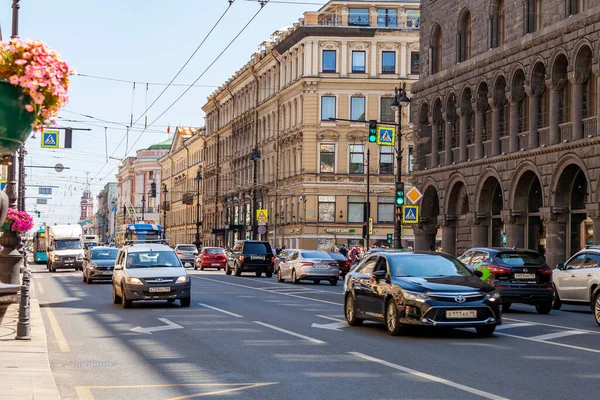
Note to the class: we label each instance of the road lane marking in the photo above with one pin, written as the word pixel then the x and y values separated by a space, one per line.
pixel 238 389
pixel 40 287
pixel 551 325
pixel 169 326
pixel 58 333
pixel 334 326
pixel 430 377
pixel 556 335
pixel 519 325
pixel 550 343
pixel 220 310
pixel 312 340
pixel 84 393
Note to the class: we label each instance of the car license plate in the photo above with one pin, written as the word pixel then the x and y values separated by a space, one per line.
pixel 257 258
pixel 524 276
pixel 321 265
pixel 160 290
pixel 461 314
pixel 107 273
pixel 215 264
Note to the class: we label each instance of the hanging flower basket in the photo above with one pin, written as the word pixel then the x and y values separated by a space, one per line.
pixel 33 88
pixel 17 221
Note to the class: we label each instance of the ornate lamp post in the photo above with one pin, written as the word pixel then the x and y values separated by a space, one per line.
pixel 198 180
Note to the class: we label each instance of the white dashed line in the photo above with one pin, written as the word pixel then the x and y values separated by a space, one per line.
pixel 298 335
pixel 220 310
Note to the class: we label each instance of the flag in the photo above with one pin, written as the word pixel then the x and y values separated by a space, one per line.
pixel 169 128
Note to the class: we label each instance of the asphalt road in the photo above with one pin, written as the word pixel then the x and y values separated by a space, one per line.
pixel 253 338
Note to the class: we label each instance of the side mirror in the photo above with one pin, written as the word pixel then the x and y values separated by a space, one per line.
pixel 379 275
pixel 478 273
pixel 560 267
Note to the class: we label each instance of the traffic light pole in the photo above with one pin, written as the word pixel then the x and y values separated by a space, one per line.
pixel 368 210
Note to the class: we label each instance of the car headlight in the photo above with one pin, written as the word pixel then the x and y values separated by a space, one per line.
pixel 134 281
pixel 493 296
pixel 80 256
pixel 56 258
pixel 415 296
pixel 182 279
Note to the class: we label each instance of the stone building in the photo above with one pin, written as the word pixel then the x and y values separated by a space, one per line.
pixel 108 208
pixel 506 110
pixel 342 61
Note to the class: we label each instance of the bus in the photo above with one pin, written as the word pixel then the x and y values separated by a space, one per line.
pixel 90 241
pixel 138 233
pixel 40 246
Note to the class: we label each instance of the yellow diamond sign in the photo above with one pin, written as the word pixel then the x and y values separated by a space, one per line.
pixel 414 195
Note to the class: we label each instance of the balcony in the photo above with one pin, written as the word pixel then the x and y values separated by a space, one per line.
pixel 544 136
pixel 188 198
pixel 566 131
pixel 589 127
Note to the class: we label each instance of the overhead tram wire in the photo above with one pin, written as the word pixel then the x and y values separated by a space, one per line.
pixel 263 3
pixel 170 83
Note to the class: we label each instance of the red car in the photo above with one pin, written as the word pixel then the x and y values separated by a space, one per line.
pixel 211 257
pixel 342 261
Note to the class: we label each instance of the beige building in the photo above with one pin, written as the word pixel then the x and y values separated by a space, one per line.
pixel 344 62
pixel 181 167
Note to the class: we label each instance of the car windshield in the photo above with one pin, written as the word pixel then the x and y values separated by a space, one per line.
pixel 214 251
pixel 257 248
pixel 67 244
pixel 186 248
pixel 314 254
pixel 153 259
pixel 517 259
pixel 426 266
pixel 104 254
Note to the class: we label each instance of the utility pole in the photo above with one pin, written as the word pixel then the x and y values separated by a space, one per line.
pixel 198 179
pixel 165 191
pixel 368 208
pixel 254 156
pixel 143 207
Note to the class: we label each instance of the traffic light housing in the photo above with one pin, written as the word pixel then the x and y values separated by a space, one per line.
pixel 389 238
pixel 39 214
pixel 400 194
pixel 364 231
pixel 153 190
pixel 372 131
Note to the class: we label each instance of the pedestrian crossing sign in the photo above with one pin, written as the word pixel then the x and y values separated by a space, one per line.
pixel 50 139
pixel 410 214
pixel 386 135
pixel 262 215
pixel 2 184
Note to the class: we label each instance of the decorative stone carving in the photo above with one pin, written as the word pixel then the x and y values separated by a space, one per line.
pixel 310 86
pixel 553 215
pixel 445 220
pixel 550 84
pixel 593 211
pixel 578 77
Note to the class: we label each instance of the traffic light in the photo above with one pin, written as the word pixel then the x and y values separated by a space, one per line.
pixel 68 138
pixel 364 231
pixel 153 190
pixel 389 238
pixel 39 214
pixel 372 131
pixel 400 194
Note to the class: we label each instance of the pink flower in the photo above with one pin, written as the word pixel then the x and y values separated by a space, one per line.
pixel 29 107
pixel 14 80
pixel 38 98
pixel 20 61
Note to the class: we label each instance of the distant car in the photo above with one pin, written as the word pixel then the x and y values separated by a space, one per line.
pixel 520 275
pixel 186 253
pixel 211 257
pixel 282 256
pixel 251 256
pixel 342 260
pixel 313 265
pixel 576 280
pixel 403 289
pixel 98 264
pixel 148 271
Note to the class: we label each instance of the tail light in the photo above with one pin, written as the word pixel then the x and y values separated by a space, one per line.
pixel 347 264
pixel 546 271
pixel 179 253
pixel 496 270
pixel 334 265
pixel 307 264
pixel 241 259
pixel 272 259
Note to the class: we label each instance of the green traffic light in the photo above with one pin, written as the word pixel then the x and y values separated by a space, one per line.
pixel 372 138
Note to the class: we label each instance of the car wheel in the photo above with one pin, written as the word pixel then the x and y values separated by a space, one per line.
pixel 350 311
pixel 392 323
pixel 544 308
pixel 556 303
pixel 227 270
pixel 486 330
pixel 279 277
pixel 124 302
pixel 294 280
pixel 238 271
pixel 506 306
pixel 116 297
pixel 258 274
pixel 269 274
pixel 84 278
pixel 596 308
pixel 185 302
pixel 89 281
pixel 333 282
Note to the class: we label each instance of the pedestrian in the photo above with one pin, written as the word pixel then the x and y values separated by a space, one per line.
pixel 344 251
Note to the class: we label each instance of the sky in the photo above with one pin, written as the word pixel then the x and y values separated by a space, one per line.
pixel 133 40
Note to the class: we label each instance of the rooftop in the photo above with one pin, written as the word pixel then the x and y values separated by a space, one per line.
pixel 166 145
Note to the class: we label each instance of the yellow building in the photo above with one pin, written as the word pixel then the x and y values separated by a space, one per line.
pixel 344 62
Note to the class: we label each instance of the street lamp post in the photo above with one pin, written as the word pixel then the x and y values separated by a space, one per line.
pixel 198 179
pixel 400 101
pixel 254 156
pixel 143 206
pixel 165 191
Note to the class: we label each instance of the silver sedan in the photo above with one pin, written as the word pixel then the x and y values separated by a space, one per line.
pixel 311 265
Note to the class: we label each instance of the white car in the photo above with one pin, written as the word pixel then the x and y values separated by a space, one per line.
pixel 575 281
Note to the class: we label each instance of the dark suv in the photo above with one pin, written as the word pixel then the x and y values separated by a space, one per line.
pixel 520 275
pixel 251 256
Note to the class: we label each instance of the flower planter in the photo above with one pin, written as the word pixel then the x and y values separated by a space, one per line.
pixel 15 121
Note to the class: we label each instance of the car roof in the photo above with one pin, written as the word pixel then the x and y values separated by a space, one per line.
pixel 144 247
pixel 184 244
pixel 501 249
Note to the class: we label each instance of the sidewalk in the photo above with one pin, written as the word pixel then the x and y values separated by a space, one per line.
pixel 24 364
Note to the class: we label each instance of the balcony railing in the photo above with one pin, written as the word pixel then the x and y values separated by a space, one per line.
pixel 566 131
pixel 589 127
pixel 544 136
pixel 487 148
pixel 504 141
pixel 524 140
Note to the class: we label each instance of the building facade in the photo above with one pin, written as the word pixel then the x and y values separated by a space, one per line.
pixel 272 141
pixel 506 110
pixel 108 208
pixel 182 177
pixel 134 181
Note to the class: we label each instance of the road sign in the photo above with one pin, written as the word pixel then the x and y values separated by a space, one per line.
pixel 386 135
pixel 262 229
pixel 59 167
pixel 114 209
pixel 370 226
pixel 50 139
pixel 262 215
pixel 131 210
pixel 410 214
pixel 2 184
pixel 414 195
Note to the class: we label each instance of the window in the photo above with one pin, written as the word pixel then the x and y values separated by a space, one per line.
pixel 436 50
pixel 45 190
pixel 41 201
pixel 386 111
pixel 533 15
pixel 385 209
pixel 464 38
pixel 151 175
pixel 388 62
pixel 413 18
pixel 386 160
pixel 368 266
pixel 358 62
pixel 326 208
pixel 386 17
pixel 357 108
pixel 411 159
pixel 357 159
pixel 356 209
pixel 498 24
pixel 327 107
pixel 415 60
pixel 358 17
pixel 576 6
pixel 329 61
pixel 327 157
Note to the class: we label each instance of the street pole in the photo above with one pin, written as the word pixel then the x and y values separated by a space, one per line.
pixel 368 210
pixel 400 100
pixel 21 189
pixel 254 156
pixel 165 191
pixel 143 206
pixel 198 223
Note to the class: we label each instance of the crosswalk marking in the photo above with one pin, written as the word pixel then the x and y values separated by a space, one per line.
pixel 519 325
pixel 556 335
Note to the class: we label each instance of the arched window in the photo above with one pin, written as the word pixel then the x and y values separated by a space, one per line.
pixel 576 6
pixel 464 37
pixel 497 24
pixel 436 50
pixel 533 15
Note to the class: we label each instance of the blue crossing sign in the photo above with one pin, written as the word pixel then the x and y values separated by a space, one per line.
pixel 2 184
pixel 50 139
pixel 386 135
pixel 410 214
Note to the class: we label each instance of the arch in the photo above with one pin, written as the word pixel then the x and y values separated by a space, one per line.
pixel 580 45
pixel 430 203
pixel 437 109
pixel 513 70
pixel 450 102
pixel 453 189
pixel 488 173
pixel 559 68
pixel 424 112
pixel 465 100
pixel 522 169
pixel 557 178
pixel 537 74
pixel 436 44
pixel 556 53
pixel 464 41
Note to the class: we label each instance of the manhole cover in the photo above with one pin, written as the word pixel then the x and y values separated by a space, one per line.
pixel 91 365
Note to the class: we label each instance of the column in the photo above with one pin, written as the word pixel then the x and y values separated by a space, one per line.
pixel 478 130
pixel 556 227
pixel 373 68
pixel 403 61
pixel 515 228
pixel 425 233
pixel 462 138
pixel 533 94
pixel 554 121
pixel 307 52
pixel 448 144
pixel 495 125
pixel 593 212
pixel 315 58
pixel 448 233
pixel 435 138
pixel 513 142
pixel 344 58
pixel 577 81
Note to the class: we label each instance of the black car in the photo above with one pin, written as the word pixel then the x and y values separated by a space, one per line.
pixel 99 263
pixel 251 256
pixel 403 289
pixel 521 275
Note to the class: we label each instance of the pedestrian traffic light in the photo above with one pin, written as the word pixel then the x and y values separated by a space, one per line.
pixel 400 194
pixel 39 214
pixel 389 238
pixel 153 190
pixel 372 131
